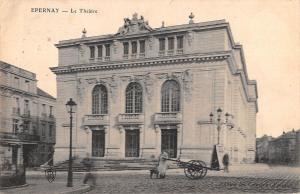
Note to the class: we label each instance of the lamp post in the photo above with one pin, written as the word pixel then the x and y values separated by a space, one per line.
pixel 219 123
pixel 71 105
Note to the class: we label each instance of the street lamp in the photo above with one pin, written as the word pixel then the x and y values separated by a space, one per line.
pixel 219 123
pixel 71 105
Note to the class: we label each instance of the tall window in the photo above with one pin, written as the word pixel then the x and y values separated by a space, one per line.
pixel 43 129
pixel 170 96
pixel 179 42
pixel 50 130
pixel 162 44
pixel 27 85
pixel 17 82
pixel 26 107
pixel 107 50
pixel 126 48
pixel 99 51
pixel 134 98
pixel 142 46
pixel 92 52
pixel 44 109
pixel 134 47
pixel 99 100
pixel 171 43
pixel 50 111
pixel 15 126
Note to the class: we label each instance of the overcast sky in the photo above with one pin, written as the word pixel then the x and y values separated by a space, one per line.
pixel 269 31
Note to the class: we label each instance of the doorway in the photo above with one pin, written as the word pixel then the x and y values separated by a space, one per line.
pixel 169 142
pixel 132 143
pixel 98 143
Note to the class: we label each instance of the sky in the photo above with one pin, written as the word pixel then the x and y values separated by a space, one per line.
pixel 269 31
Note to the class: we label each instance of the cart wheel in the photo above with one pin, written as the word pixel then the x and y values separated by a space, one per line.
pixel 195 169
pixel 50 174
pixel 203 170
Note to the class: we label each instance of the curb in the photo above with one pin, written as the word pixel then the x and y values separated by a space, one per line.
pixel 83 189
pixel 14 187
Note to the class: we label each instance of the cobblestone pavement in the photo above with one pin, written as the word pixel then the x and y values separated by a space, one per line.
pixel 241 179
pixel 272 180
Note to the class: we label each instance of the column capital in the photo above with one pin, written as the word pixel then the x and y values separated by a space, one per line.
pixel 121 128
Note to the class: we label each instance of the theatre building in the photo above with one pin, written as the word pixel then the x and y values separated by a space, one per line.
pixel 143 90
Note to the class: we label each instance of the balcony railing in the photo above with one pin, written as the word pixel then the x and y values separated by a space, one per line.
pixel 131 118
pixel 179 51
pixel 107 58
pixel 5 136
pixel 166 118
pixel 96 119
pixel 161 53
pixel 170 52
pixel 142 55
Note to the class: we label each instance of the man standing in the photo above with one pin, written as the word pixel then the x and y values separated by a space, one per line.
pixel 226 162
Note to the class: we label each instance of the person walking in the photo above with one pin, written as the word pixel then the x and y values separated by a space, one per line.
pixel 226 162
pixel 88 164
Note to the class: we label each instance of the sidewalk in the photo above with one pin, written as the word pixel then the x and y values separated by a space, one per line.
pixel 37 184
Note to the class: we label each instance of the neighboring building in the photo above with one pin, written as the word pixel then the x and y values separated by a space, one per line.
pixel 143 90
pixel 262 148
pixel 27 125
pixel 281 150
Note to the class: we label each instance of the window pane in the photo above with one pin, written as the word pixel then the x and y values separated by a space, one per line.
pixel 134 47
pixel 170 97
pixel 170 43
pixel 179 42
pixel 92 52
pixel 99 50
pixel 107 50
pixel 99 100
pixel 134 98
pixel 142 46
pixel 161 44
pixel 126 46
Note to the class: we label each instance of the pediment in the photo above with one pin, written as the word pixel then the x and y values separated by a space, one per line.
pixel 134 26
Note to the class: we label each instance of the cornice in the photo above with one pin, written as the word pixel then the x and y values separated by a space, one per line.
pixel 156 32
pixel 139 63
pixel 3 87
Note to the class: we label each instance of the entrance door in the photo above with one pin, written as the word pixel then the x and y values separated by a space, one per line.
pixel 98 143
pixel 169 142
pixel 132 143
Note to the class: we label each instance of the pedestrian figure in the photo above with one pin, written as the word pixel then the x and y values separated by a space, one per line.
pixel 88 164
pixel 226 162
pixel 162 164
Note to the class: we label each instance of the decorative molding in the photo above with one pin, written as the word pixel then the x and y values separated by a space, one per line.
pixel 121 65
pixel 113 83
pixel 151 40
pixel 80 88
pixel 115 46
pixel 149 81
pixel 190 37
pixel 134 25
pixel 187 79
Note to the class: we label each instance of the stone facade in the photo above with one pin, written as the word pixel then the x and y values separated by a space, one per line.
pixel 27 118
pixel 285 148
pixel 200 60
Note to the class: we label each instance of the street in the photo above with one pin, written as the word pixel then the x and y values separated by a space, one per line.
pixel 249 179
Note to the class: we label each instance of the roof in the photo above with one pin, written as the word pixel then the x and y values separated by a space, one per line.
pixel 41 92
pixel 17 70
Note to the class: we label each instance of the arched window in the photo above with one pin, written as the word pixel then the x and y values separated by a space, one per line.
pixel 170 96
pixel 134 98
pixel 99 100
